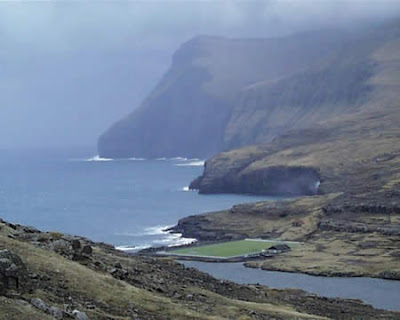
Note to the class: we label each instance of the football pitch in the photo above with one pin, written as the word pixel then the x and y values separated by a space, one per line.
pixel 228 249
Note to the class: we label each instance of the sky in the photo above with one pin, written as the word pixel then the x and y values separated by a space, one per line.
pixel 69 69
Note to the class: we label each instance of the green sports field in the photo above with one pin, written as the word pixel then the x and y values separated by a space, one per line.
pixel 228 249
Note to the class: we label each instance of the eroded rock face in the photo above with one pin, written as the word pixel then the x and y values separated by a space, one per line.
pixel 277 180
pixel 197 227
pixel 13 273
pixel 281 180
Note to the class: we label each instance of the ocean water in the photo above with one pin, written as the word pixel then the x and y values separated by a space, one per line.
pixel 127 203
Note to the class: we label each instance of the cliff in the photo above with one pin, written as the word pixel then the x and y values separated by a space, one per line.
pixel 337 153
pixel 189 110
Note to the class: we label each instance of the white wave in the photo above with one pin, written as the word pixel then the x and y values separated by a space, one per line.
pixel 191 164
pixel 156 230
pixel 149 231
pixel 126 248
pixel 177 159
pixel 174 239
pixel 142 247
pixel 132 248
pixel 187 189
pixel 92 159
pixel 97 158
pixel 172 159
pixel 169 239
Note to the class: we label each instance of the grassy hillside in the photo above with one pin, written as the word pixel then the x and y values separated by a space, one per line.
pixel 104 284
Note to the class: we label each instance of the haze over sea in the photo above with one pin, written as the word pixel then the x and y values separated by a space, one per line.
pixel 123 202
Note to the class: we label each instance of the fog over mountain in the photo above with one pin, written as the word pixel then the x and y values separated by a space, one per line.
pixel 69 70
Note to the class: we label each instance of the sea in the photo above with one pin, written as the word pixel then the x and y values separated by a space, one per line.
pixel 128 203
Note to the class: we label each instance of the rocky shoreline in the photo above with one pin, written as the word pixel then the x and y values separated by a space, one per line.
pixel 49 275
pixel 346 241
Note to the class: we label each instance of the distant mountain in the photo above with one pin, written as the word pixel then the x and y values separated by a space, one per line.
pixel 341 84
pixel 211 97
pixel 331 130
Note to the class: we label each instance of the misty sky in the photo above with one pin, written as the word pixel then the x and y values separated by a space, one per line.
pixel 68 70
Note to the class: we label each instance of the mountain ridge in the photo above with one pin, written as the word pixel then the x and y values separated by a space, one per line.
pixel 186 114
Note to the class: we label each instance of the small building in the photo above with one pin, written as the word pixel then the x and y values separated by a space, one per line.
pixel 279 248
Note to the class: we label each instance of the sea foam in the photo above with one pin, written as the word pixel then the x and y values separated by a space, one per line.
pixel 93 159
pixel 177 159
pixel 132 248
pixel 174 239
pixel 149 231
pixel 126 248
pixel 187 189
pixel 156 230
pixel 98 158
pixel 198 163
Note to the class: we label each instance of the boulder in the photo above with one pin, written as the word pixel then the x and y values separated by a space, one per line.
pixel 55 312
pixel 76 245
pixel 40 304
pixel 87 250
pixel 61 247
pixel 13 273
pixel 78 315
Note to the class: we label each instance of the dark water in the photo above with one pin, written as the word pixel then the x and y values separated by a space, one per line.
pixel 126 203
pixel 383 294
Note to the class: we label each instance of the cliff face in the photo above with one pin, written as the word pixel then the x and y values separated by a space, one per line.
pixel 341 84
pixel 266 110
pixel 221 94
pixel 336 127
pixel 190 108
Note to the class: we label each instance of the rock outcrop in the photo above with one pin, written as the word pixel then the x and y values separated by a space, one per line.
pixel 274 180
pixel 14 276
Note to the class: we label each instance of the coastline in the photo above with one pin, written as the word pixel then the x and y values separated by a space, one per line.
pixel 101 280
pixel 344 251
